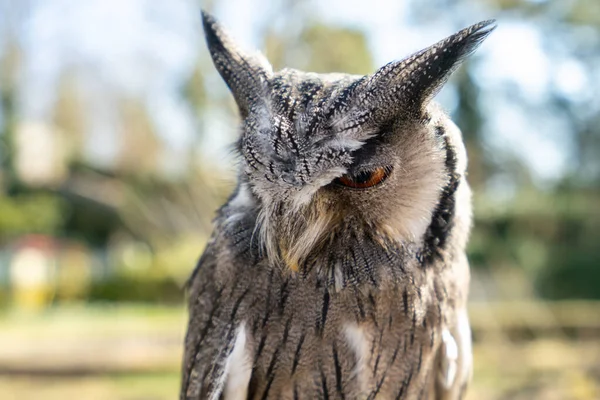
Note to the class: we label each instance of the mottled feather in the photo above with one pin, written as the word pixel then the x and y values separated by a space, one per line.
pixel 313 289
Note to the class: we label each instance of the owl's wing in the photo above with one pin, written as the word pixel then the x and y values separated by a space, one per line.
pixel 211 335
pixel 455 360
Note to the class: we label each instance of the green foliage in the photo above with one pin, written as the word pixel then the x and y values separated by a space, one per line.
pixel 552 238
pixel 134 289
pixel 31 213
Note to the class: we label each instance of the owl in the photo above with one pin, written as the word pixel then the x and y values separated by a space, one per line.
pixel 337 268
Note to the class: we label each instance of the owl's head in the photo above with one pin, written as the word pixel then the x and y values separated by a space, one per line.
pixel 331 157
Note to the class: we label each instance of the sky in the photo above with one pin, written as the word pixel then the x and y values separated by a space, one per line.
pixel 147 48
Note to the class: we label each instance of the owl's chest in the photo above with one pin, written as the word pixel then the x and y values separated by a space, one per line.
pixel 312 343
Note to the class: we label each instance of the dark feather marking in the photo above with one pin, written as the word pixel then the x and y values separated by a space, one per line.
pixel 293 143
pixel 396 350
pixel 392 360
pixel 245 228
pixel 268 388
pixel 360 307
pixel 292 110
pixel 414 327
pixel 297 354
pixel 252 154
pixel 203 333
pixel 409 378
pixel 350 127
pixel 324 385
pixel 268 299
pixel 309 89
pixel 215 371
pixel 237 304
pixel 405 385
pixel 369 268
pixel 378 358
pixel 285 292
pixel 259 349
pixel 374 312
pixel 211 315
pixel 377 362
pixel 401 392
pixel 255 326
pixel 324 311
pixel 276 141
pixel 342 99
pixel 379 341
pixel 238 238
pixel 379 385
pixel 338 371
pixel 372 301
pixel 316 118
pixel 442 220
pixel 273 361
pixel 353 255
pixel 306 168
pixel 392 259
pixel 319 158
pixel 405 301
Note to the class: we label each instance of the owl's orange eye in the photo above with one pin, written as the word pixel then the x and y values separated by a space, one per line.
pixel 364 179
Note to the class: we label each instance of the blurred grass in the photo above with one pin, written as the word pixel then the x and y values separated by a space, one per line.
pixel 104 387
pixel 134 352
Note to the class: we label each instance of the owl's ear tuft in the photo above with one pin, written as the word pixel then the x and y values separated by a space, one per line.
pixel 411 83
pixel 245 74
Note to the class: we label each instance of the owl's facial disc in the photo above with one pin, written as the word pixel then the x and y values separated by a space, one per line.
pixel 322 151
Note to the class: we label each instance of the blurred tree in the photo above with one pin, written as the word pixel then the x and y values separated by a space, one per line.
pixel 12 16
pixel 9 67
pixel 193 90
pixel 140 149
pixel 321 48
pixel 69 113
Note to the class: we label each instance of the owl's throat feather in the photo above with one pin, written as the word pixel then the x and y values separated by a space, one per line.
pixel 301 235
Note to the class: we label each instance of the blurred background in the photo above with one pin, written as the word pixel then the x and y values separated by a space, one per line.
pixel 115 134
